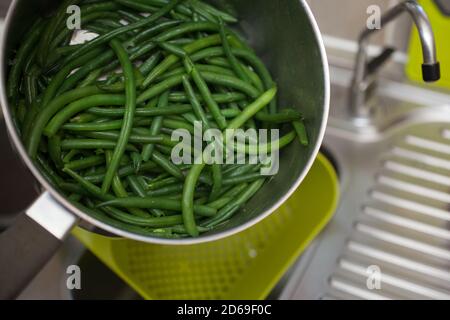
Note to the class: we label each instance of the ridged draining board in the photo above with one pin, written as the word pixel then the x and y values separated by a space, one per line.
pixel 394 215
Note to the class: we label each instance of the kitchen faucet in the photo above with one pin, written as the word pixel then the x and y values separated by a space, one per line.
pixel 364 77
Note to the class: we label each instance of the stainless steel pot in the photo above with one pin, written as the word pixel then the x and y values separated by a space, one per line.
pixel 283 32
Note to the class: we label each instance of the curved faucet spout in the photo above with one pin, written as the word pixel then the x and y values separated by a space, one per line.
pixel 430 66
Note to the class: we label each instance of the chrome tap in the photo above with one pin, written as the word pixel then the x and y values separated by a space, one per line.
pixel 364 76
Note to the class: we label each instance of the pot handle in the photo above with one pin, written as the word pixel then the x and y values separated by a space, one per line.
pixel 29 244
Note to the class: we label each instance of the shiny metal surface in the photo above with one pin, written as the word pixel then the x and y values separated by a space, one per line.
pixel 286 35
pixel 50 215
pixel 362 82
pixel 395 207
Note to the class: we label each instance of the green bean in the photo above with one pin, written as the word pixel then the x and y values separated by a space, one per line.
pixel 267 147
pixel 136 160
pixel 239 170
pixel 182 230
pixel 191 118
pixel 117 185
pixel 122 172
pixel 98 29
pixel 150 63
pixel 179 16
pixel 75 190
pixel 225 213
pixel 113 34
pixel 219 62
pixel 30 84
pixel 201 68
pixel 206 93
pixel 139 189
pixel 119 189
pixel 83 118
pixel 228 196
pixel 117 112
pixel 181 8
pixel 235 191
pixel 235 65
pixel 226 97
pixel 101 6
pixel 150 32
pixel 299 127
pixel 165 191
pixel 286 115
pixel 80 105
pixel 45 115
pixel 145 222
pixel 48 173
pixel 85 19
pixel 188 199
pixel 240 179
pixel 230 82
pixel 93 126
pixel 198 110
pixel 86 144
pixel 136 186
pixel 173 59
pixel 130 106
pixel 89 187
pixel 54 150
pixel 205 15
pixel 70 155
pixel 130 16
pixel 106 218
pixel 59 78
pixel 19 113
pixel 91 78
pixel 254 77
pixel 178 124
pixel 53 25
pixel 117 124
pixel 159 88
pixel 135 52
pixel 21 58
pixel 217 182
pixel 167 165
pixel 173 49
pixel 261 69
pixel 138 138
pixel 85 70
pixel 157 203
pixel 253 109
pixel 247 55
pixel 137 6
pixel 156 184
pixel 155 128
pixel 85 163
pixel 28 122
pixel 214 11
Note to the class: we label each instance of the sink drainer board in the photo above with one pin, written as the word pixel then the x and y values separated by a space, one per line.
pixel 244 266
pixel 394 218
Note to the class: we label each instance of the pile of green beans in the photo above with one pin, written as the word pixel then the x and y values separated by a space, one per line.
pixel 96 117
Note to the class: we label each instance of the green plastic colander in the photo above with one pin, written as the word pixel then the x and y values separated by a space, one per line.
pixel 244 266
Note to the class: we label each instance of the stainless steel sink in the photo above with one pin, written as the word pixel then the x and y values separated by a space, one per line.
pixel 394 215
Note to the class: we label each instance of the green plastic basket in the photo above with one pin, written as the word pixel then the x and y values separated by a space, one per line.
pixel 244 266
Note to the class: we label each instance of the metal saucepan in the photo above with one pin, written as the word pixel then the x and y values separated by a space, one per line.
pixel 283 32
